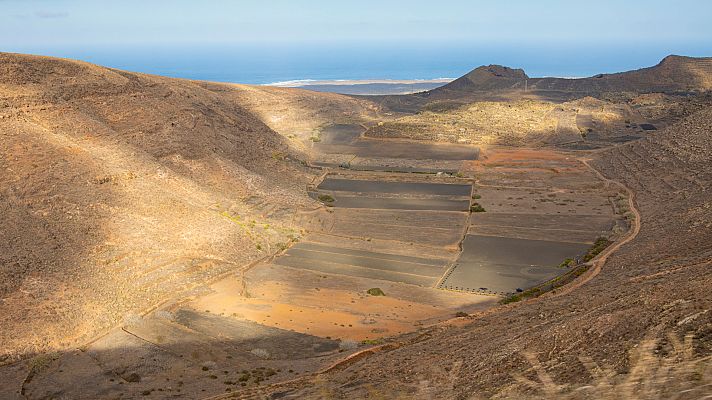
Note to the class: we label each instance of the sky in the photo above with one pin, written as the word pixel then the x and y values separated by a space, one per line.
pixel 136 34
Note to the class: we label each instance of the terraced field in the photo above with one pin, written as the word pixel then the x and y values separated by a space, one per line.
pixel 539 213
pixel 374 264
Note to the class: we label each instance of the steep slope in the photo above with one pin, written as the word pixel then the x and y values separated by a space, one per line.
pixel 674 74
pixel 294 113
pixel 491 77
pixel 119 189
pixel 641 328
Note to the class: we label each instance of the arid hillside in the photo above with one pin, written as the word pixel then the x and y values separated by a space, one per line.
pixel 500 105
pixel 640 327
pixel 298 115
pixel 673 75
pixel 117 189
pixel 149 227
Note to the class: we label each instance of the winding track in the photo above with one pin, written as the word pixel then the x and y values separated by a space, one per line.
pixel 596 267
pixel 597 262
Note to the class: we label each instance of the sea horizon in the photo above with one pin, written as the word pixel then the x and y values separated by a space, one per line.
pixel 297 64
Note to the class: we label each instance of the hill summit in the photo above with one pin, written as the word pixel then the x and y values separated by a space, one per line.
pixel 489 77
pixel 672 74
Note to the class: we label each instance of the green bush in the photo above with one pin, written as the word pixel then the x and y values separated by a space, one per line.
pixel 598 246
pixel 375 292
pixel 566 263
pixel 325 198
pixel 477 207
pixel 371 342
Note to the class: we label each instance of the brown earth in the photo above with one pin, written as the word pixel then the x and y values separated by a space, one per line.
pixel 586 121
pixel 673 75
pixel 641 328
pixel 121 193
pixel 118 189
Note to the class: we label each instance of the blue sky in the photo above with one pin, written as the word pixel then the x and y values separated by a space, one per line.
pixel 38 23
pixel 583 31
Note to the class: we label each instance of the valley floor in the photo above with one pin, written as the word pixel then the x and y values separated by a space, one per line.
pixel 391 252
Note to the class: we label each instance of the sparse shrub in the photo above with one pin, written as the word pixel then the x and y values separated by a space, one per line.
pixel 511 299
pixel 476 196
pixel 261 353
pixel 461 314
pixel 315 139
pixel 42 361
pixel 476 207
pixel 208 365
pixel 676 373
pixel 370 342
pixel 598 246
pixel 566 263
pixel 375 292
pixel 325 198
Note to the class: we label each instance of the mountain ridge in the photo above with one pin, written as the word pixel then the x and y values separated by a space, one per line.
pixel 672 73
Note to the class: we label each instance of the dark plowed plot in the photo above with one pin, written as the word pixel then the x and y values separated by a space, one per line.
pixel 349 185
pixel 503 265
pixel 363 253
pixel 566 228
pixel 498 279
pixel 400 204
pixel 359 164
pixel 345 139
pixel 389 267
pixel 434 228
pixel 441 219
pixel 414 151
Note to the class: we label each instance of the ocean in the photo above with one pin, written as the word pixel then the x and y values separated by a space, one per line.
pixel 272 63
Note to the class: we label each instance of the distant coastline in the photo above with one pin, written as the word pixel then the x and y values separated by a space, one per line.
pixel 313 82
pixel 365 86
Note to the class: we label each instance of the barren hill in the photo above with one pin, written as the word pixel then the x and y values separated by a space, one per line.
pixel 674 74
pixel 117 189
pixel 635 329
pixel 491 77
pixel 123 193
